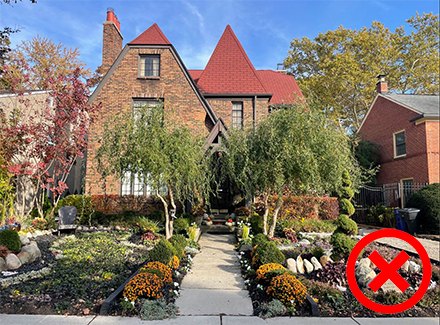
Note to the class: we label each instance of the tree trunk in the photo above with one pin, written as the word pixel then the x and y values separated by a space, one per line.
pixel 173 206
pixel 266 212
pixel 167 217
pixel 275 215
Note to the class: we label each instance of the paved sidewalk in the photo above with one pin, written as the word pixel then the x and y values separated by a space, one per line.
pixel 432 247
pixel 214 285
pixel 207 320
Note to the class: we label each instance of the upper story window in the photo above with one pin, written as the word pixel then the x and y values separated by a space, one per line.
pixel 134 184
pixel 399 144
pixel 149 66
pixel 237 115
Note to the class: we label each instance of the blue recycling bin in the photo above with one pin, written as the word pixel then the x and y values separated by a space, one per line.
pixel 399 221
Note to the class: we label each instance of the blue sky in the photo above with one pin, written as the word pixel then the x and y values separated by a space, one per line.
pixel 265 28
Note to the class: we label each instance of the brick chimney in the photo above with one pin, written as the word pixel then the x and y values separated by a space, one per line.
pixel 112 40
pixel 381 86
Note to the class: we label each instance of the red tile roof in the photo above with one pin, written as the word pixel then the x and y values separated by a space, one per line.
pixel 229 70
pixel 283 87
pixel 152 36
pixel 195 74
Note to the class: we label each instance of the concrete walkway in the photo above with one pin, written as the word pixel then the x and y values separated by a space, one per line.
pixel 207 320
pixel 214 285
pixel 432 247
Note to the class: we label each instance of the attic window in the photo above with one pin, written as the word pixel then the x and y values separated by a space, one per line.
pixel 399 144
pixel 149 66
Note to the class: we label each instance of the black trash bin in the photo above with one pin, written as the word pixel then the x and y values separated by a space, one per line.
pixel 409 216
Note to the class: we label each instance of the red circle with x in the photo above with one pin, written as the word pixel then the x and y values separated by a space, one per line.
pixel 388 271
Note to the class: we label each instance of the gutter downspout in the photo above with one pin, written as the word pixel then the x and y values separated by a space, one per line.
pixel 254 107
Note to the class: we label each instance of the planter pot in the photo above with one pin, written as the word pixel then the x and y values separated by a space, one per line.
pixel 208 223
pixel 230 224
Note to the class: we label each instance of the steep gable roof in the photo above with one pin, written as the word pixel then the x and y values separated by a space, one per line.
pixel 152 36
pixel 229 70
pixel 283 87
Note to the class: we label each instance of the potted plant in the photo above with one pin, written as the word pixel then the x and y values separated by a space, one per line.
pixel 229 222
pixel 208 222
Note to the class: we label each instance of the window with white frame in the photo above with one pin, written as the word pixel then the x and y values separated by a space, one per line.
pixel 149 66
pixel 134 184
pixel 237 115
pixel 399 144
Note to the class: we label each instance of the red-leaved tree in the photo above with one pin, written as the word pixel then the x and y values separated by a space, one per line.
pixel 45 133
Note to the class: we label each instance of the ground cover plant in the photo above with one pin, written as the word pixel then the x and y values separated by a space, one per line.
pixel 92 267
pixel 327 285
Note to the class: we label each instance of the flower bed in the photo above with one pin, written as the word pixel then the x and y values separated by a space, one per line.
pixel 325 281
pixel 91 266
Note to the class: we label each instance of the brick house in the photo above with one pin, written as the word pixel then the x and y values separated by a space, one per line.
pixel 406 128
pixel 228 93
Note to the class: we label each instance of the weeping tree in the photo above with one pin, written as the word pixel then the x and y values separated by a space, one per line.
pixel 296 148
pixel 160 151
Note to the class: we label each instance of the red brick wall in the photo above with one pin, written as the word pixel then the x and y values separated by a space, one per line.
pixel 223 108
pixel 385 118
pixel 117 95
pixel 432 139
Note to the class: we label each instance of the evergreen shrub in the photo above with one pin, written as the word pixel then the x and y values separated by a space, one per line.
pixel 10 239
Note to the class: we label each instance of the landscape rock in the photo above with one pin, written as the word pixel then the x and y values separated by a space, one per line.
pixel 59 256
pixel 325 259
pixel 28 235
pixel 100 228
pixel 365 262
pixel 389 286
pixel 291 265
pixel 33 251
pixel 316 264
pixel 23 257
pixel 24 240
pixel 304 241
pixel 300 265
pixel 308 266
pixel 405 266
pixel 414 267
pixel 37 233
pixel 32 242
pixel 2 264
pixel 12 262
pixel 364 275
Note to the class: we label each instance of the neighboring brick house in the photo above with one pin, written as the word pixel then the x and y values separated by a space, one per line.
pixel 406 128
pixel 228 93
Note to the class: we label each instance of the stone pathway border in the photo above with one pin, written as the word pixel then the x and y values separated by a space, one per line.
pixel 207 320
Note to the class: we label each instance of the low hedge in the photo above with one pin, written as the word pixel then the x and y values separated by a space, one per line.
pixel 428 201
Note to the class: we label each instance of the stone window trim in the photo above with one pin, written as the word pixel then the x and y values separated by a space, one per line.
pixel 399 144
pixel 153 73
pixel 237 115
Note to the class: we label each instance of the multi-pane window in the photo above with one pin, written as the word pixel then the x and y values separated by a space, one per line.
pixel 133 184
pixel 149 66
pixel 139 103
pixel 399 143
pixel 237 115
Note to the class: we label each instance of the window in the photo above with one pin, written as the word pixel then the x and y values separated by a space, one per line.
pixel 399 144
pixel 149 66
pixel 139 103
pixel 237 115
pixel 133 184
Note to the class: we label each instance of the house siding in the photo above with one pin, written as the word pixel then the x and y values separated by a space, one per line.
pixel 386 118
pixel 117 96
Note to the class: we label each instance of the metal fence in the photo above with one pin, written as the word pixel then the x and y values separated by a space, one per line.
pixel 394 195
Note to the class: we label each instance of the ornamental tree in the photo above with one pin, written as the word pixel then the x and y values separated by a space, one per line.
pixel 296 148
pixel 45 133
pixel 161 151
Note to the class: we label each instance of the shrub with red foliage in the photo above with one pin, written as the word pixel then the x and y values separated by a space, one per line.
pixel 308 207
